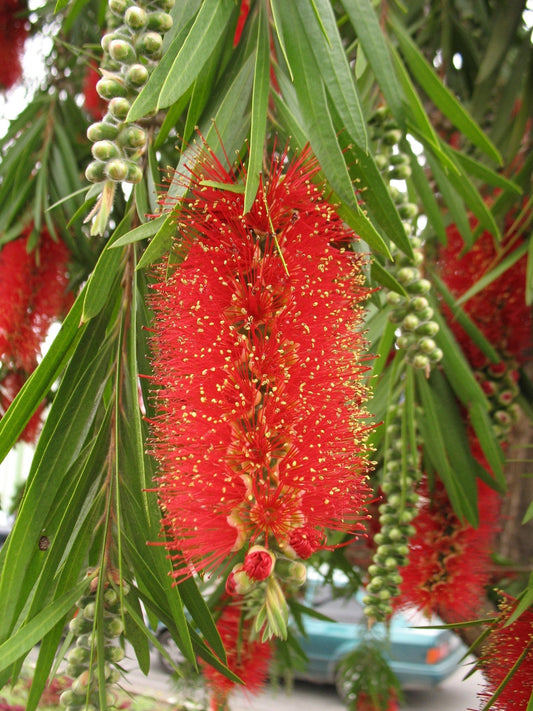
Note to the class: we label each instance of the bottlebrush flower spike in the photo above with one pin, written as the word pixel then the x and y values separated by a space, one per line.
pixel 449 560
pixel 32 294
pixel 13 34
pixel 258 368
pixel 247 656
pixel 508 651
pixel 499 310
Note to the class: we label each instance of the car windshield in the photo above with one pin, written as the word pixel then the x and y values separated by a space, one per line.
pixel 332 603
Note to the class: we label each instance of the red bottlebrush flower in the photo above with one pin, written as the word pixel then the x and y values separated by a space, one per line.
pixel 10 384
pixel 95 105
pixel 509 648
pixel 258 563
pixel 13 33
pixel 32 294
pixel 243 15
pixel 499 310
pixel 304 541
pixel 449 560
pixel 247 656
pixel 257 355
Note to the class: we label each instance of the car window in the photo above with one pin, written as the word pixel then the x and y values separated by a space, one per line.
pixel 340 609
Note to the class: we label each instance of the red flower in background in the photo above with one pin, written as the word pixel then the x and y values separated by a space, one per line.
pixel 509 645
pixel 247 656
pixel 256 356
pixel 13 33
pixel 95 105
pixel 449 560
pixel 33 288
pixel 499 310
pixel 10 385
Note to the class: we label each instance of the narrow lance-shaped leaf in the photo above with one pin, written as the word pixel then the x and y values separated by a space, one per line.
pixel 260 93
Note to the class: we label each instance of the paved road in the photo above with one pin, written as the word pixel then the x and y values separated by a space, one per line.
pixel 453 695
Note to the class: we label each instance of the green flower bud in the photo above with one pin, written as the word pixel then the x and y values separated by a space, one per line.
pixel 159 21
pixel 119 107
pixel 104 150
pixel 101 131
pixel 405 341
pixel 136 17
pixel 419 303
pixel 427 345
pixel 420 286
pixel 400 172
pixel 149 44
pixel 135 174
pixel 109 88
pixel 89 611
pixel 114 654
pixel 410 322
pixel 118 7
pixel 137 75
pixel 381 161
pixel 409 210
pixel 392 137
pixel 116 170
pixel 428 328
pixel 114 627
pixel 132 136
pixel 407 275
pixel 436 355
pixel 421 361
pixel 122 51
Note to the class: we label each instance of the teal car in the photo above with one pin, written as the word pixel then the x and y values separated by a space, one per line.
pixel 420 658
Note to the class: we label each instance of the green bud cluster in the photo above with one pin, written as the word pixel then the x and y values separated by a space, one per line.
pixel 82 658
pixel 412 313
pixel 499 383
pixel 395 516
pixel 132 48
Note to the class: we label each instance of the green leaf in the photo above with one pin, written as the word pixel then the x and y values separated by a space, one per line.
pixel 484 174
pixel 161 242
pixel 439 93
pixel 32 632
pixel 104 274
pixel 369 33
pixel 260 94
pixel 72 415
pixel 446 445
pixel 184 60
pixel 507 18
pixel 464 321
pixel 330 55
pixel 492 450
pixel 317 120
pixel 148 229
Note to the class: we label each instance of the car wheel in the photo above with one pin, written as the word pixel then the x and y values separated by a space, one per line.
pixel 173 651
pixel 343 684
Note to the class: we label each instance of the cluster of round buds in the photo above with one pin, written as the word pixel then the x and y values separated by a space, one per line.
pixel 412 313
pixel 499 383
pixel 131 50
pixel 395 516
pixel 260 580
pixel 82 659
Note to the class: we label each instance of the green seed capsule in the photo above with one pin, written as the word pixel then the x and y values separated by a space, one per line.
pixel 95 171
pixel 102 130
pixel 109 88
pixel 136 17
pixel 122 51
pixel 119 107
pixel 137 75
pixel 159 21
pixel 116 170
pixel 114 628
